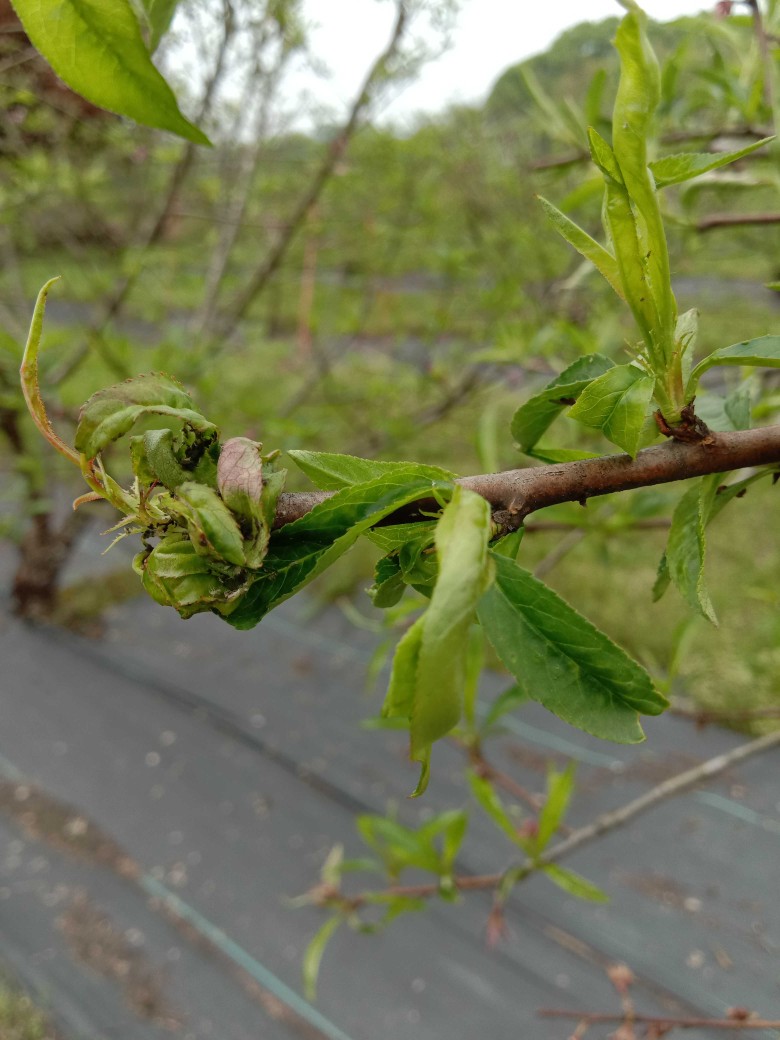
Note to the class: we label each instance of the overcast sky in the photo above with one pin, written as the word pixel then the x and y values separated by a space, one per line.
pixel 489 35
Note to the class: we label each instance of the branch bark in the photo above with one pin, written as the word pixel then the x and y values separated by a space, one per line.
pixel 722 220
pixel 663 1022
pixel 516 493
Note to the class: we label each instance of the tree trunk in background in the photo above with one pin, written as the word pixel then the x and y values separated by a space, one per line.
pixel 43 551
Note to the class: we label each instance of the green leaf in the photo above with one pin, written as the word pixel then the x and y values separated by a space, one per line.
pixel 560 787
pixel 563 661
pixel 331 472
pixel 617 404
pixel 312 957
pixel 683 560
pixel 602 155
pixel 451 827
pixel 430 669
pixel 628 240
pixel 534 417
pixel 575 884
pixel 175 575
pixel 461 543
pixel 391 538
pixel 158 15
pixel 674 169
pixel 162 460
pixel 509 544
pixel 602 259
pixel 110 413
pixel 686 545
pixel 389 584
pixel 638 96
pixel 485 795
pixel 96 47
pixel 212 527
pixel 686 332
pixel 764 352
pixel 303 549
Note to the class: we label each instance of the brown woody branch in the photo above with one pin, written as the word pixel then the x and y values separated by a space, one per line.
pixel 722 220
pixel 662 1022
pixel 516 493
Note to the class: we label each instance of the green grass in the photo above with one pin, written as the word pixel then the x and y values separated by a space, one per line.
pixel 20 1019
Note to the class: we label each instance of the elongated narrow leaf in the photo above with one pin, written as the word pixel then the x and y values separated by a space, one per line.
pixel 586 246
pixel 628 239
pixel 562 660
pixel 96 47
pixel 431 663
pixel 533 418
pixel 110 413
pixel 686 332
pixel 575 884
pixel 683 560
pixel 312 957
pixel 403 675
pixel 603 156
pixel 686 546
pixel 560 787
pixel 461 546
pixel 674 169
pixel 303 549
pixel 617 404
pixel 763 352
pixel 638 96
pixel 486 796
pixel 331 472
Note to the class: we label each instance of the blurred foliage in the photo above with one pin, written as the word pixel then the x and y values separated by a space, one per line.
pixel 426 278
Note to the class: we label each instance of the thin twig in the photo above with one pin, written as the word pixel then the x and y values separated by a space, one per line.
pixel 704 716
pixel 559 551
pixel 664 1023
pixel 582 836
pixel 226 323
pixel 722 220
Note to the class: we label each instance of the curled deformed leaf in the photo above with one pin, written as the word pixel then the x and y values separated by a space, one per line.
pixel 29 377
pixel 212 527
pixel 430 668
pixel 110 413
pixel 240 475
pixel 176 575
pixel 162 459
